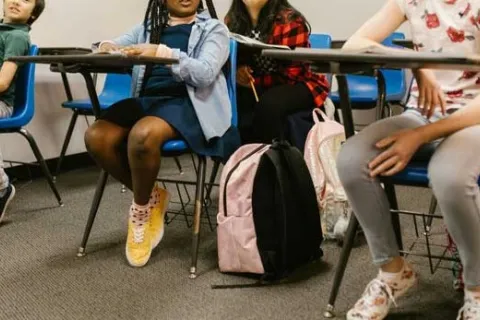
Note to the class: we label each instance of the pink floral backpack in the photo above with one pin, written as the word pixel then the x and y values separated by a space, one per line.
pixel 321 150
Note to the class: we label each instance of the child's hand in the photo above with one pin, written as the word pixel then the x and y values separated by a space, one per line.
pixel 244 76
pixel 145 49
pixel 431 95
pixel 149 50
pixel 398 149
pixel 107 47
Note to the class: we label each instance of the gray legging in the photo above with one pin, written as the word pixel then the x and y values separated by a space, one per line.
pixel 453 171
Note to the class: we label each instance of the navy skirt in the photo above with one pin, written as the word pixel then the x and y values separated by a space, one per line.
pixel 180 114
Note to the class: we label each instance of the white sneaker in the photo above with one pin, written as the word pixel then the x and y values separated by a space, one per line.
pixel 471 307
pixel 379 296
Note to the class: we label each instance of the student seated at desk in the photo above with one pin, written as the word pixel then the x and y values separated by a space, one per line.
pixel 188 100
pixel 283 88
pixel 443 111
pixel 14 41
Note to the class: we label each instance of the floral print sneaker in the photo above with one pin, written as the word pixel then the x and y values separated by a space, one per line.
pixel 471 308
pixel 380 295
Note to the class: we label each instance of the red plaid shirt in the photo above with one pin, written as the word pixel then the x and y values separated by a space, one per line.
pixel 293 33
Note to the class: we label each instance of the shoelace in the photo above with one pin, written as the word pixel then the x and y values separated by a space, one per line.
pixel 138 234
pixel 376 287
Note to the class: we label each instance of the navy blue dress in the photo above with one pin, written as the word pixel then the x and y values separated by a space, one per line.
pixel 168 99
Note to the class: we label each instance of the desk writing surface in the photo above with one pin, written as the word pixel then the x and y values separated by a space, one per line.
pixel 398 60
pixel 103 60
pixel 63 50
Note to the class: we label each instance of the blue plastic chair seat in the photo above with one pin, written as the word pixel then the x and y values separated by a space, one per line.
pixel 85 104
pixel 416 173
pixel 175 146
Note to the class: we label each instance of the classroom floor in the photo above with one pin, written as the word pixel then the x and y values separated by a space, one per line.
pixel 41 277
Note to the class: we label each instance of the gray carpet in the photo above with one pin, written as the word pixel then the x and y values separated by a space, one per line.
pixel 41 278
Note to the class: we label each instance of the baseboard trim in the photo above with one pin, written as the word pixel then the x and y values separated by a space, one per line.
pixel 33 171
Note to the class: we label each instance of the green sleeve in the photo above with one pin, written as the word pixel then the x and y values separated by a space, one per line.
pixel 17 43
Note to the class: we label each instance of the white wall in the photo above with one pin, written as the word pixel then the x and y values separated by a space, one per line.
pixel 81 22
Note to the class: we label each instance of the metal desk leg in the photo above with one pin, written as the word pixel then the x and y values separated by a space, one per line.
pixel 353 224
pixel 66 86
pixel 97 198
pixel 345 105
pixel 92 93
pixel 382 94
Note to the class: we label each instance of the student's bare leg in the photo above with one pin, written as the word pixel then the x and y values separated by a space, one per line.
pixel 104 141
pixel 149 204
pixel 144 144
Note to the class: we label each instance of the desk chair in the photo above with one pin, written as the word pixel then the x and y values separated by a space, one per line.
pixel 388 87
pixel 176 148
pixel 23 111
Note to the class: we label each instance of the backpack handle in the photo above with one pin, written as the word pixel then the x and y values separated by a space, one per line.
pixel 318 114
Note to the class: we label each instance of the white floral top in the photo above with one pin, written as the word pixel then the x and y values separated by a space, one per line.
pixel 448 26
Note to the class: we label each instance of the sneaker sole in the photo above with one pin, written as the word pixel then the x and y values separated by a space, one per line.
pixel 10 197
pixel 156 242
pixel 136 265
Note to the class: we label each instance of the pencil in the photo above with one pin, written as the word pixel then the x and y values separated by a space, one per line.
pixel 254 91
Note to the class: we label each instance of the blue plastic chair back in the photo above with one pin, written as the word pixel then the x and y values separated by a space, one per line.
pixel 395 80
pixel 321 41
pixel 231 77
pixel 24 106
pixel 117 87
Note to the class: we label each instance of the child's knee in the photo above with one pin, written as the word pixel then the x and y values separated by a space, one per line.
pixel 352 161
pixel 94 137
pixel 145 140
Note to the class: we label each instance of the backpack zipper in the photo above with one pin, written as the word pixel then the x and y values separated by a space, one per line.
pixel 229 175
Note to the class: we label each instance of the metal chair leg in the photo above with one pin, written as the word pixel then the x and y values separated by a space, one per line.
pixel 38 155
pixel 431 211
pixel 392 199
pixel 213 176
pixel 66 142
pixel 381 101
pixel 341 266
pixel 102 181
pixel 199 200
pixel 179 166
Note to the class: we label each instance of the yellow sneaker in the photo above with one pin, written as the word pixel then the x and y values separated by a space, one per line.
pixel 139 244
pixel 159 205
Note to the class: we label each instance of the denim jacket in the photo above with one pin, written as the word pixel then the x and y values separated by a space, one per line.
pixel 200 68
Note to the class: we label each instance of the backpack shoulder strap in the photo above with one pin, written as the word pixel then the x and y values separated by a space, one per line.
pixel 296 164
